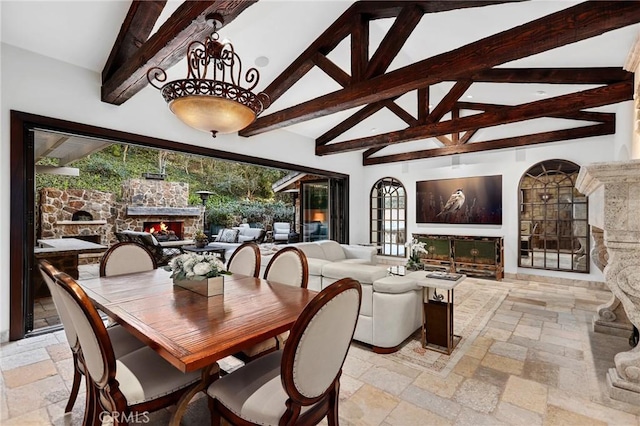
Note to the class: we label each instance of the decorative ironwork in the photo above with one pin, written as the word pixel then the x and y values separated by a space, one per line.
pixel 225 67
pixel 436 296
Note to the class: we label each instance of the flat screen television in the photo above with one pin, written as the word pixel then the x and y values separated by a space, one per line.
pixel 469 200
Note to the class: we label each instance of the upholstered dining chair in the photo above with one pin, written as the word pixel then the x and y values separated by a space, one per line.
pixel 300 384
pixel 138 382
pixel 123 342
pixel 126 258
pixel 245 260
pixel 287 266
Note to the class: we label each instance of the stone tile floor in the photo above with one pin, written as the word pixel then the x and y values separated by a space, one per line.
pixel 536 362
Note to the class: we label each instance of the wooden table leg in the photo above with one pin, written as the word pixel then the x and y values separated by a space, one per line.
pixel 209 374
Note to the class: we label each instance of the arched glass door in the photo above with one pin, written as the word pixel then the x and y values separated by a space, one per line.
pixel 388 216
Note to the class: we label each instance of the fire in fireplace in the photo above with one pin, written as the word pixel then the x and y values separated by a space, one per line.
pixel 165 230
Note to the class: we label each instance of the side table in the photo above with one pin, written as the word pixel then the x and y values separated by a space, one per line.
pixel 437 309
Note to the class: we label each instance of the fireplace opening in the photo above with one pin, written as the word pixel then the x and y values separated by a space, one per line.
pixel 81 215
pixel 165 230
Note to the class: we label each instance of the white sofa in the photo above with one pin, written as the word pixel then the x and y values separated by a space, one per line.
pixel 328 253
pixel 391 306
pixel 244 234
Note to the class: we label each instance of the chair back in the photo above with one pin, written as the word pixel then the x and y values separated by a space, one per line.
pixel 126 258
pixel 288 266
pixel 245 260
pixel 49 273
pixel 97 351
pixel 317 346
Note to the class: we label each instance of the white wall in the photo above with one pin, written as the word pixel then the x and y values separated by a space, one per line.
pixel 511 164
pixel 38 85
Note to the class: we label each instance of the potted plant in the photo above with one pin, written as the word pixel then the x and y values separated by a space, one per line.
pixel 201 273
pixel 416 249
pixel 200 239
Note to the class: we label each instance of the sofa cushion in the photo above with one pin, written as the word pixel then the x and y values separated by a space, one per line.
pixel 364 273
pixel 316 265
pixel 394 284
pixel 311 250
pixel 357 261
pixel 228 236
pixel 251 234
pixel 332 250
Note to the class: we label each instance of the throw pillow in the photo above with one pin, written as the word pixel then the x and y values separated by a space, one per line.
pixel 229 236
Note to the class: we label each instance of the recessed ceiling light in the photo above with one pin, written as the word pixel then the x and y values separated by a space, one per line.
pixel 262 61
pixel 373 129
pixel 541 93
pixel 469 96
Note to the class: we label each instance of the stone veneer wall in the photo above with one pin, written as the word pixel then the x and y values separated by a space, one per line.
pixel 155 193
pixel 59 205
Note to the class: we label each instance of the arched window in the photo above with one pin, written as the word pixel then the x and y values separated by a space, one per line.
pixel 389 216
pixel 554 229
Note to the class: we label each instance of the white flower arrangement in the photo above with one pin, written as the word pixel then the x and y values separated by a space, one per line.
pixel 193 266
pixel 416 248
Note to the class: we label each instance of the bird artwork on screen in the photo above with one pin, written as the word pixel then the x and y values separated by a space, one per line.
pixel 470 200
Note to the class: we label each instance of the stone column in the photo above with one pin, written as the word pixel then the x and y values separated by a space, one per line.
pixel 615 188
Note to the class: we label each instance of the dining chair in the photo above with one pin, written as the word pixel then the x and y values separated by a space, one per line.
pixel 136 383
pixel 245 260
pixel 287 266
pixel 123 342
pixel 300 384
pixel 126 258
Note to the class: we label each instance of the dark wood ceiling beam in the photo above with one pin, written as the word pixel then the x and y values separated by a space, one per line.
pixel 400 112
pixel 423 104
pixel 347 124
pixel 517 141
pixel 587 19
pixel 324 44
pixel 449 100
pixel 389 9
pixel 591 98
pixel 393 41
pixel 467 136
pixel 598 75
pixel 167 46
pixel 359 48
pixel 332 70
pixel 134 32
pixel 573 115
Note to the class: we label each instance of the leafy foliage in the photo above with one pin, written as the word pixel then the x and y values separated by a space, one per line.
pixel 229 181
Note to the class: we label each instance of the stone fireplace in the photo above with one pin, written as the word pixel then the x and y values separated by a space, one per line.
pixel 150 203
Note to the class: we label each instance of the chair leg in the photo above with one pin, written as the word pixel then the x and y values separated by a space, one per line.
pixel 75 387
pixel 332 415
pixel 89 405
pixel 215 415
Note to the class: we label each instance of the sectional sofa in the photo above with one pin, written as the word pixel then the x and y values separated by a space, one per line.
pixel 390 310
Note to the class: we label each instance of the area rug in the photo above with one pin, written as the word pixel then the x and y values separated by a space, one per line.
pixel 475 301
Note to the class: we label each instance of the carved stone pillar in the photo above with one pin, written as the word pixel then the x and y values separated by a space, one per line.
pixel 616 189
pixel 610 318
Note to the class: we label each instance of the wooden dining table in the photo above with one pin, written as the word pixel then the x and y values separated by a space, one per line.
pixel 192 331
